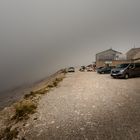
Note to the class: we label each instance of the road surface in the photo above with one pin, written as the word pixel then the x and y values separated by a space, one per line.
pixel 88 106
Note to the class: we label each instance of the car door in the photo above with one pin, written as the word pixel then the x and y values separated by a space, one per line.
pixel 132 70
pixel 137 69
pixel 108 70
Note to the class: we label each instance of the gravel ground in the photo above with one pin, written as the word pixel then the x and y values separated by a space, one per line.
pixel 88 106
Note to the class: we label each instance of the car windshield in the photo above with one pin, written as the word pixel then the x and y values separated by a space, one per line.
pixel 104 68
pixel 122 66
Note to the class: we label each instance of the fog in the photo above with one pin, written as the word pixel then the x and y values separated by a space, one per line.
pixel 38 38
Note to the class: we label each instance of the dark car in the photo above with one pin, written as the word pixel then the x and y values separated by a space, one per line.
pixel 71 69
pixel 126 70
pixel 99 68
pixel 105 70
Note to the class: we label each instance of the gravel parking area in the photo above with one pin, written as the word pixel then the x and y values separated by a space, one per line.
pixel 88 106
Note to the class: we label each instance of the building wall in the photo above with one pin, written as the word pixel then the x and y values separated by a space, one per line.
pixel 137 57
pixel 111 63
pixel 137 60
pixel 110 55
pixel 131 53
pixel 120 57
pixel 106 55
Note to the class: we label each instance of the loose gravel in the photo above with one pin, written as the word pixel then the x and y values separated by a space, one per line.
pixel 88 106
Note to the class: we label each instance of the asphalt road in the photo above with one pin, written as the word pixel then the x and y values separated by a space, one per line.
pixel 88 106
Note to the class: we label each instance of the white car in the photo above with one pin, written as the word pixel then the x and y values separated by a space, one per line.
pixel 71 69
pixel 89 69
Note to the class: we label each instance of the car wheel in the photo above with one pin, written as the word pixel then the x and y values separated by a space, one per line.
pixel 126 76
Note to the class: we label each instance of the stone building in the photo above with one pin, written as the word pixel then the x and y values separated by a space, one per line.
pixel 109 57
pixel 137 57
pixel 132 53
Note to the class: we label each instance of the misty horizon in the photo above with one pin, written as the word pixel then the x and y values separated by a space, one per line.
pixel 37 38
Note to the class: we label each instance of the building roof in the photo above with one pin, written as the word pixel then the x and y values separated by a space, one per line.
pixel 108 50
pixel 137 56
pixel 133 49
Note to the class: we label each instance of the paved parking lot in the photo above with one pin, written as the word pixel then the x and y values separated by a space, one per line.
pixel 88 106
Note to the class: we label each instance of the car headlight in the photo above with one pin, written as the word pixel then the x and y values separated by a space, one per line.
pixel 121 71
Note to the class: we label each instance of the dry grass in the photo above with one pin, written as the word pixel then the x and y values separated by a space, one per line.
pixel 59 79
pixel 34 93
pixel 46 89
pixel 28 105
pixel 23 109
pixel 64 71
pixel 31 94
pixel 9 134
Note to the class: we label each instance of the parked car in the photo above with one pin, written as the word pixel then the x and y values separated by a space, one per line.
pixel 99 68
pixel 71 69
pixel 105 70
pixel 82 68
pixel 126 70
pixel 89 69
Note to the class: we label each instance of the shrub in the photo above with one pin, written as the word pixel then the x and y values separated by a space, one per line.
pixel 44 90
pixel 23 109
pixel 55 83
pixel 31 94
pixel 34 93
pixel 50 86
pixel 64 71
pixel 59 79
pixel 9 134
